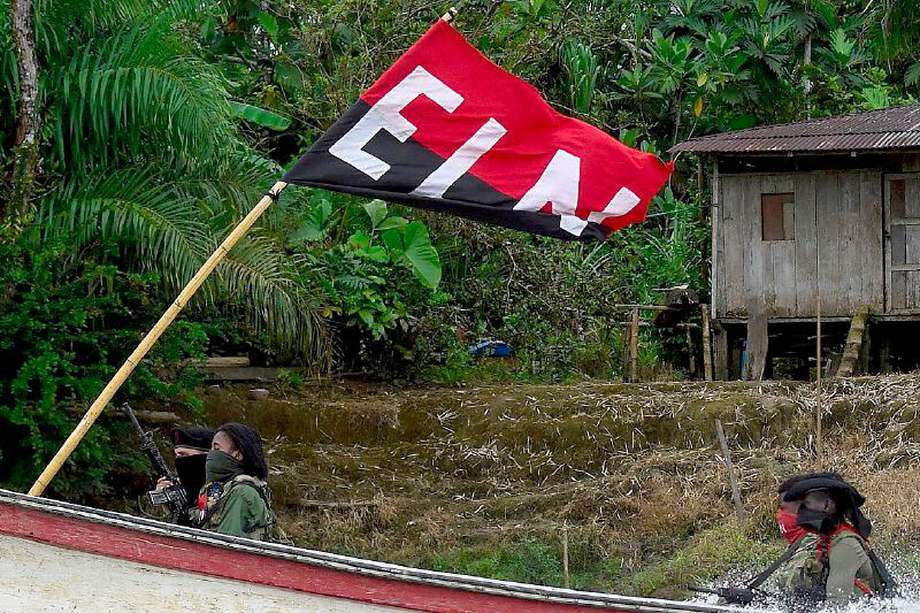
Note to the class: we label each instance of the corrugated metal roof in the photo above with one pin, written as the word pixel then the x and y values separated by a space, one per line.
pixel 893 128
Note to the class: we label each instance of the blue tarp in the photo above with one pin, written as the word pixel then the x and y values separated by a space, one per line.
pixel 491 349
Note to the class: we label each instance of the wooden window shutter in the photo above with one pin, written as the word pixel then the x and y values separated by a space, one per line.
pixel 777 217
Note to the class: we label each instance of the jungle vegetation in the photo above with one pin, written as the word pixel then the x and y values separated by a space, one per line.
pixel 158 123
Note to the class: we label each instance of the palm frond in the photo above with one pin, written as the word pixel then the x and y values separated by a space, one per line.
pixel 58 22
pixel 149 161
pixel 912 76
pixel 232 179
pixel 136 89
pixel 261 277
pixel 161 229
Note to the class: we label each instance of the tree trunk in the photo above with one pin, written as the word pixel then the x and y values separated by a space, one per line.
pixel 25 153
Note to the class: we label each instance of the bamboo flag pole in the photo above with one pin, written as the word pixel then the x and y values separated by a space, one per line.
pixel 54 466
pixel 148 341
pixel 452 12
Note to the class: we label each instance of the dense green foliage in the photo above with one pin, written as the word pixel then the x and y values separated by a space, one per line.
pixel 164 121
pixel 66 319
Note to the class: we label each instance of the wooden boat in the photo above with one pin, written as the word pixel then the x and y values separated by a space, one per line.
pixel 57 556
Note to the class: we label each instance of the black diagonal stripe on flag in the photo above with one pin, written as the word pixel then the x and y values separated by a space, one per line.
pixel 446 130
pixel 411 163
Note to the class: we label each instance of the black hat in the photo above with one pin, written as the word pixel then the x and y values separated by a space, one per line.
pixel 195 437
pixel 847 497
pixel 787 485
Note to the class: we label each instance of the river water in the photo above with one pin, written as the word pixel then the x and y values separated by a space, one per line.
pixel 909 602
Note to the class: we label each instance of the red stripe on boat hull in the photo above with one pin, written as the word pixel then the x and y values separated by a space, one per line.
pixel 180 554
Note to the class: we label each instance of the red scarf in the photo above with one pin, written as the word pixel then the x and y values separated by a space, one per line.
pixel 791 531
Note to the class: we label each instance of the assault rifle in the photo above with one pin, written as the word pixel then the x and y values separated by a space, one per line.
pixel 174 494
pixel 747 594
pixel 731 595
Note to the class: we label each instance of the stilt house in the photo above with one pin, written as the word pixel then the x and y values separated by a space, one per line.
pixel 817 216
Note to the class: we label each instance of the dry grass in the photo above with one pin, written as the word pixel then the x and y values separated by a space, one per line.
pixel 412 475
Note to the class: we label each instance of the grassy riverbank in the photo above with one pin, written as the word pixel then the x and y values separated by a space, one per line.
pixel 488 480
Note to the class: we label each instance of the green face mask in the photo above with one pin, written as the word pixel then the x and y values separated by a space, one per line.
pixel 221 466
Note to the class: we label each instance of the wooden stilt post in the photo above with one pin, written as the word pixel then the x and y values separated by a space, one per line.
pixel 707 342
pixel 150 339
pixel 758 340
pixel 720 353
pixel 884 355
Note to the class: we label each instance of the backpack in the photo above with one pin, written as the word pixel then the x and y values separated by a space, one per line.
pixel 211 505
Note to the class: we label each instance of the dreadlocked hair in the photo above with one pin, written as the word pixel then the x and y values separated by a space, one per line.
pixel 249 444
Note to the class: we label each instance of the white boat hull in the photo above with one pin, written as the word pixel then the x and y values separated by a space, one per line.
pixel 56 556
pixel 42 578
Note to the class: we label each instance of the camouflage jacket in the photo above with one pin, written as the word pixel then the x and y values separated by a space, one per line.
pixel 835 568
pixel 240 507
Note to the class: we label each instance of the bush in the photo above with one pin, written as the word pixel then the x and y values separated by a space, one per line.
pixel 526 562
pixel 66 324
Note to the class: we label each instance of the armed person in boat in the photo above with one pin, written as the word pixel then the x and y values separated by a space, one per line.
pixel 176 490
pixel 190 447
pixel 829 559
pixel 235 499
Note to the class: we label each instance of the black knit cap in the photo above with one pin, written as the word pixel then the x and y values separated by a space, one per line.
pixel 847 497
pixel 195 437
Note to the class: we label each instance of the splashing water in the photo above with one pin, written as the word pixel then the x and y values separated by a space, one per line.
pixel 907 602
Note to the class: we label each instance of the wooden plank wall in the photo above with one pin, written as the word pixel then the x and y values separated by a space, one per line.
pixel 782 276
pixel 904 294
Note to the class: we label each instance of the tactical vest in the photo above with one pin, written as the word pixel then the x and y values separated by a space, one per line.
pixel 805 574
pixel 215 495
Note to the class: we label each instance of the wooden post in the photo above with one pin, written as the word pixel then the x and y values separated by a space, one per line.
pixel 851 360
pixel 720 353
pixel 730 469
pixel 819 400
pixel 627 355
pixel 884 355
pixel 691 363
pixel 149 340
pixel 714 220
pixel 634 346
pixel 865 354
pixel 566 580
pixel 707 342
pixel 757 347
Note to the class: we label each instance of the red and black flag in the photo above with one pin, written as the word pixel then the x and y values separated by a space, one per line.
pixel 447 130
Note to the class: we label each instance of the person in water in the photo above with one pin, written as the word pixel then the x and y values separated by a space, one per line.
pixel 235 499
pixel 788 509
pixel 829 558
pixel 190 447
